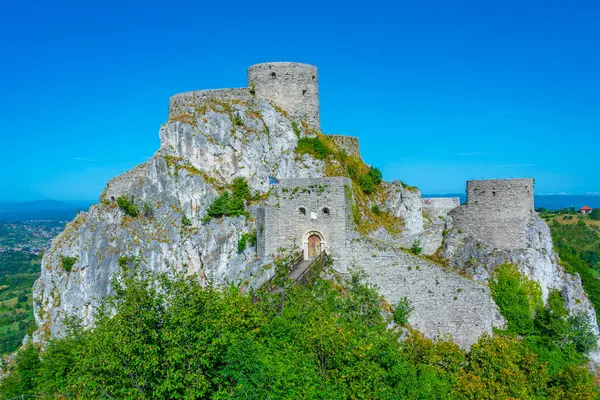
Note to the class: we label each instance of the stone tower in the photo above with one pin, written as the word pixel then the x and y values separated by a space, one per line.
pixel 292 86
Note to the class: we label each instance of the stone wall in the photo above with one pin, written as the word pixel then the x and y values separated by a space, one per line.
pixel 184 103
pixel 445 304
pixel 327 210
pixel 124 184
pixel 292 86
pixel 497 212
pixel 348 143
pixel 438 208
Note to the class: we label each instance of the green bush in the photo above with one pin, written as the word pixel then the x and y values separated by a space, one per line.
pixel 366 183
pixel 127 205
pixel 246 238
pixel 375 175
pixel 312 146
pixel 148 210
pixel 375 209
pixel 595 215
pixel 401 311
pixel 185 221
pixel 68 262
pixel 237 119
pixel 240 189
pixel 416 248
pixel 515 298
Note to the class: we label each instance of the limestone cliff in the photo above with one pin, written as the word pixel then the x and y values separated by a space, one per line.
pixel 201 153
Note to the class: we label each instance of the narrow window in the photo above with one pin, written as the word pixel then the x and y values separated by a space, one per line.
pixel 302 210
pixel 273 75
pixel 493 193
pixel 326 211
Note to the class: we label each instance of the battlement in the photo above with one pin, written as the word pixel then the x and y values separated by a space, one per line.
pixel 497 211
pixel 294 87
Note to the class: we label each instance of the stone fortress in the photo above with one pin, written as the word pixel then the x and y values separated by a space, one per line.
pixel 206 144
pixel 317 212
pixel 292 86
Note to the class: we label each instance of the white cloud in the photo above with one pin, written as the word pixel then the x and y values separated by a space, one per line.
pixel 83 159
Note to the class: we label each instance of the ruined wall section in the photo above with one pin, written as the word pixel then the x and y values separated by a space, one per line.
pixel 125 183
pixel 348 143
pixel 497 212
pixel 444 302
pixel 185 103
pixel 327 208
pixel 438 208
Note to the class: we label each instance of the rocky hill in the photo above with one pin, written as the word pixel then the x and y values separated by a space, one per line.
pixel 159 215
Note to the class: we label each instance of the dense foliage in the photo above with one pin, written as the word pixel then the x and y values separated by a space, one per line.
pixel 559 340
pixel 230 204
pixel 578 245
pixel 173 339
pixel 18 271
pixel 128 206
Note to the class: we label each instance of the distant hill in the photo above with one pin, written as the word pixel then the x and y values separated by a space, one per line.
pixel 40 209
pixel 550 201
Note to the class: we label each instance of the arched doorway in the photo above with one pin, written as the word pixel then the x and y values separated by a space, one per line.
pixel 314 245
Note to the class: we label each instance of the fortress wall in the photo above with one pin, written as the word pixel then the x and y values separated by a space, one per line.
pixel 286 227
pixel 444 302
pixel 124 184
pixel 497 212
pixel 438 208
pixel 292 86
pixel 348 143
pixel 184 103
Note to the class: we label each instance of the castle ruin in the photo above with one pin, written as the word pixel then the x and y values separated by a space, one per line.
pixel 294 87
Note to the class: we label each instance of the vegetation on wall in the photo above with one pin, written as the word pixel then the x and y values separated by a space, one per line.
pixel 171 338
pixel 67 263
pixel 367 189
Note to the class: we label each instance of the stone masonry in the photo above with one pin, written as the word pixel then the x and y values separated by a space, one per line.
pixel 298 208
pixel 497 212
pixel 294 87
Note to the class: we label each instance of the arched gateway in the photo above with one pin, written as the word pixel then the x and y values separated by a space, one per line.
pixel 313 244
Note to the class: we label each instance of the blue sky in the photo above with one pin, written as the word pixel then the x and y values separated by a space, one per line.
pixel 438 92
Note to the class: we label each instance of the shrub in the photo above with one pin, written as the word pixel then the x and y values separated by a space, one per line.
pixel 416 248
pixel 595 215
pixel 312 146
pixel 401 311
pixel 375 209
pixel 127 205
pixel 366 183
pixel 185 221
pixel 240 188
pixel 246 238
pixel 68 262
pixel 148 210
pixel 375 175
pixel 237 119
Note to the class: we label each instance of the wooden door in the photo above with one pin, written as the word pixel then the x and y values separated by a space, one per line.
pixel 314 246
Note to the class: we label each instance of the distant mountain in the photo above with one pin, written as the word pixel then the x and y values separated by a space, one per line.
pixel 547 201
pixel 40 209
